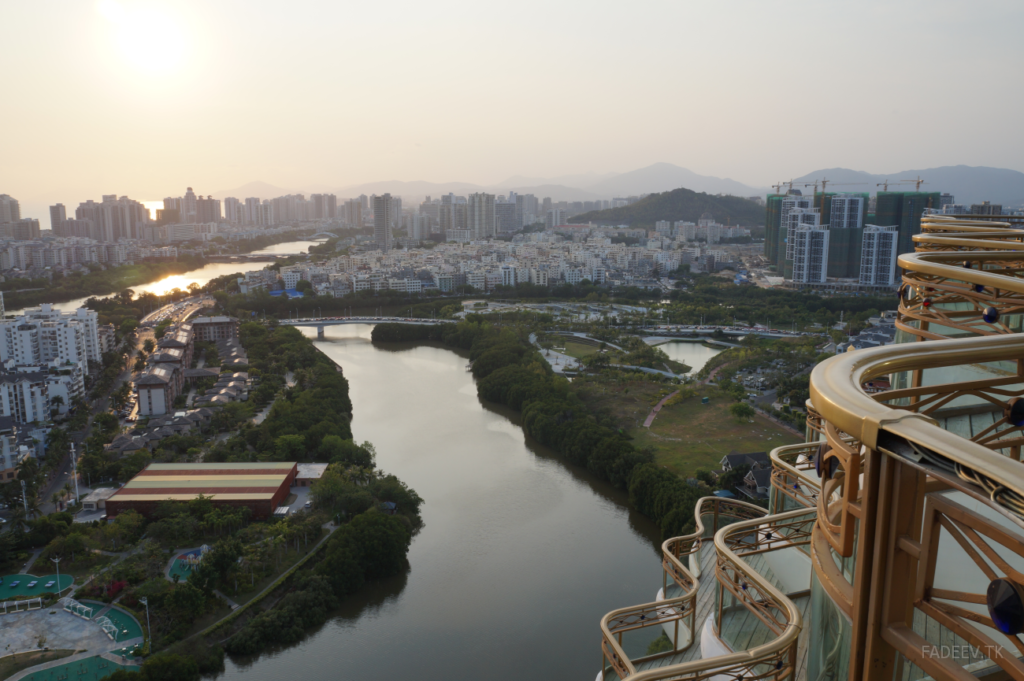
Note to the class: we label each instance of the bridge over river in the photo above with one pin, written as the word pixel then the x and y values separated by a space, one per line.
pixel 321 322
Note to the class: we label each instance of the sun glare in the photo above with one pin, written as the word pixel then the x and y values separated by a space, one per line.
pixel 145 36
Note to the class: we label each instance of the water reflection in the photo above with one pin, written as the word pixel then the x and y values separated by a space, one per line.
pixel 201 276
pixel 521 553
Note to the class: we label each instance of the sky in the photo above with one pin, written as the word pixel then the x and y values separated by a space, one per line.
pixel 145 97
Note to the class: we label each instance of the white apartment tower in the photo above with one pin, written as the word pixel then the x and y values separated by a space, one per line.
pixel 878 253
pixel 810 253
pixel 42 335
pixel 847 211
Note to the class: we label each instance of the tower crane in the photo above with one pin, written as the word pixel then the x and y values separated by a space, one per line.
pixel 884 185
pixel 918 182
pixel 824 184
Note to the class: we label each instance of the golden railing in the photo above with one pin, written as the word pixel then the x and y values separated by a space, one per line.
pixel 774 660
pixel 793 472
pixel 676 554
pixel 966 276
pixel 891 467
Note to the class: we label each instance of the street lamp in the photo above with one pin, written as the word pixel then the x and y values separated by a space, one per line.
pixel 145 602
pixel 56 561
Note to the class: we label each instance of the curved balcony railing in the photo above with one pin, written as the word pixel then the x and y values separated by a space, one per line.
pixel 966 278
pixel 793 474
pixel 680 562
pixel 887 473
pixel 773 660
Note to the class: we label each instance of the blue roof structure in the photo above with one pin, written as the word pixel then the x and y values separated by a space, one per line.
pixel 290 292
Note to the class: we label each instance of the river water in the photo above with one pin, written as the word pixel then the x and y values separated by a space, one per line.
pixel 520 556
pixel 201 276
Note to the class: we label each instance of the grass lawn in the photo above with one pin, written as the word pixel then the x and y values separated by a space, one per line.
pixel 689 435
pixel 627 400
pixel 12 664
pixel 579 350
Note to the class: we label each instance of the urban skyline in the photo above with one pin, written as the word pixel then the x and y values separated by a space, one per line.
pixel 169 62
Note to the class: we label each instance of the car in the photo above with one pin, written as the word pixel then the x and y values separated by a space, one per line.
pixel 308 504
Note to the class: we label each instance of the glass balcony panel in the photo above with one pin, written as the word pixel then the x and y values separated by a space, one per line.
pixel 828 650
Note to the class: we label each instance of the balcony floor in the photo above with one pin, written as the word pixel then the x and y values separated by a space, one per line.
pixel 741 625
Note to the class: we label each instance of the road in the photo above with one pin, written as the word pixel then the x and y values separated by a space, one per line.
pixel 172 312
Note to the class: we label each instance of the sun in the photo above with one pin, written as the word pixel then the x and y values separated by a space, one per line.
pixel 145 36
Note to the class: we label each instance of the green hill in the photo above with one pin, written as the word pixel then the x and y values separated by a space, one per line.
pixel 679 204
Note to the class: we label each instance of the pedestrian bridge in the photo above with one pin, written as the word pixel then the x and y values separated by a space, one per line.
pixel 321 322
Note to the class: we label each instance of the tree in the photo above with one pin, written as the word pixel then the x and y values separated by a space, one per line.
pixel 741 411
pixel 187 602
pixel 140 363
pixel 149 345
pixel 303 286
pixel 290 448
pixel 128 326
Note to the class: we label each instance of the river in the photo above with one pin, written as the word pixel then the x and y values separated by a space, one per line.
pixel 520 556
pixel 201 276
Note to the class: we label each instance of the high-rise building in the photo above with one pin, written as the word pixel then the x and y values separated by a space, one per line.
pixel 555 217
pixel 904 210
pixel 846 228
pixel 58 214
pixel 42 334
pixel 505 216
pixel 208 209
pixel 527 208
pixel 810 253
pixel 453 213
pixel 233 210
pixel 25 229
pixel 114 218
pixel 481 215
pixel 878 255
pixel 354 213
pixel 796 210
pixel 252 211
pixel 986 208
pixel 325 206
pixel 382 220
pixel 10 209
pixel 946 200
pixel 189 206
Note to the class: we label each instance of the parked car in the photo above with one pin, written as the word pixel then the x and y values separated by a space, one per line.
pixel 309 504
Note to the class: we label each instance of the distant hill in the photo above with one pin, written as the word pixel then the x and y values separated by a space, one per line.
pixel 967 184
pixel 678 204
pixel 663 177
pixel 259 190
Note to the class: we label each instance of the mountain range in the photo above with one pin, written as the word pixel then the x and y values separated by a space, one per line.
pixel 968 184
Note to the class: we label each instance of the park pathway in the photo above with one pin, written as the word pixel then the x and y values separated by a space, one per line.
pixel 657 408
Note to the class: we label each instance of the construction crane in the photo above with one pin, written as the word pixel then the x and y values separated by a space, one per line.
pixel 885 185
pixel 778 186
pixel 918 182
pixel 824 184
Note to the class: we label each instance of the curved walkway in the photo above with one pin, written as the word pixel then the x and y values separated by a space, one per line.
pixel 657 408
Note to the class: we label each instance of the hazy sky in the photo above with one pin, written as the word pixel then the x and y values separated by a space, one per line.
pixel 142 98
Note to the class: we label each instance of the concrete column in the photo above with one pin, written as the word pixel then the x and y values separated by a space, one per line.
pixel 320 332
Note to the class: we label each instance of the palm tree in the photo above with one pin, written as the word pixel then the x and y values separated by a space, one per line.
pixel 55 498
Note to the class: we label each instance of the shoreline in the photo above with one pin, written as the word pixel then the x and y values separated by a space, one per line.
pixel 17 301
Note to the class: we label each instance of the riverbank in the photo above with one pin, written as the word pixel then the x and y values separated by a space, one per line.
pixel 77 287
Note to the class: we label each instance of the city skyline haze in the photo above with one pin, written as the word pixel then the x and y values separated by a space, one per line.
pixel 145 98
